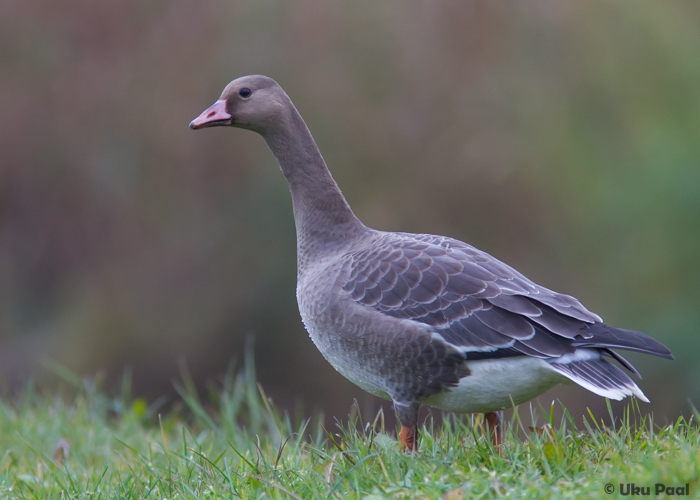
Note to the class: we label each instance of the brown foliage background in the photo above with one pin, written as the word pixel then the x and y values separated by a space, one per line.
pixel 560 136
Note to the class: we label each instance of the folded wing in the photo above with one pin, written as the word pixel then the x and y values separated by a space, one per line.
pixel 477 304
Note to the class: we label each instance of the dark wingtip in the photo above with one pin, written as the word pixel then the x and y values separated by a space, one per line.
pixel 620 359
pixel 605 336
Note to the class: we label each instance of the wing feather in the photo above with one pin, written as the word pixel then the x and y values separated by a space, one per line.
pixel 507 323
pixel 476 303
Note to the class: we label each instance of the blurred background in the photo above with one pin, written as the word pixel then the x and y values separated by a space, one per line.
pixel 561 137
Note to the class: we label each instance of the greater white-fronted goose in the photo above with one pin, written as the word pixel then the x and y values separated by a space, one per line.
pixel 416 318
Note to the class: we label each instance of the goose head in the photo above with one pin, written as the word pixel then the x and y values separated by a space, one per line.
pixel 252 102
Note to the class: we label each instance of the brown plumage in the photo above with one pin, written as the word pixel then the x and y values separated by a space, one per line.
pixel 416 318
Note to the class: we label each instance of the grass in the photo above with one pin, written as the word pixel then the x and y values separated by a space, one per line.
pixel 238 445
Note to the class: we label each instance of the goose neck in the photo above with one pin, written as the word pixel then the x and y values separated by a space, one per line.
pixel 323 218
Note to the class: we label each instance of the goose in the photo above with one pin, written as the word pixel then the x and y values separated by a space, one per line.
pixel 420 319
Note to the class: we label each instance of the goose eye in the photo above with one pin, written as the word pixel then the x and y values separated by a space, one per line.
pixel 245 92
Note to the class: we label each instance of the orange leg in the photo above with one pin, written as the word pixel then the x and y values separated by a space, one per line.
pixel 409 438
pixel 408 417
pixel 492 420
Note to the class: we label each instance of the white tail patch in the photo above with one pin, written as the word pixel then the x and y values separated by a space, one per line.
pixel 586 368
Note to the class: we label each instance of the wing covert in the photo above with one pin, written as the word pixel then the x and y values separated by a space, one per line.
pixel 473 301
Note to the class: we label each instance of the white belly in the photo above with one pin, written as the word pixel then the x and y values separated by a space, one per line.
pixel 497 384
